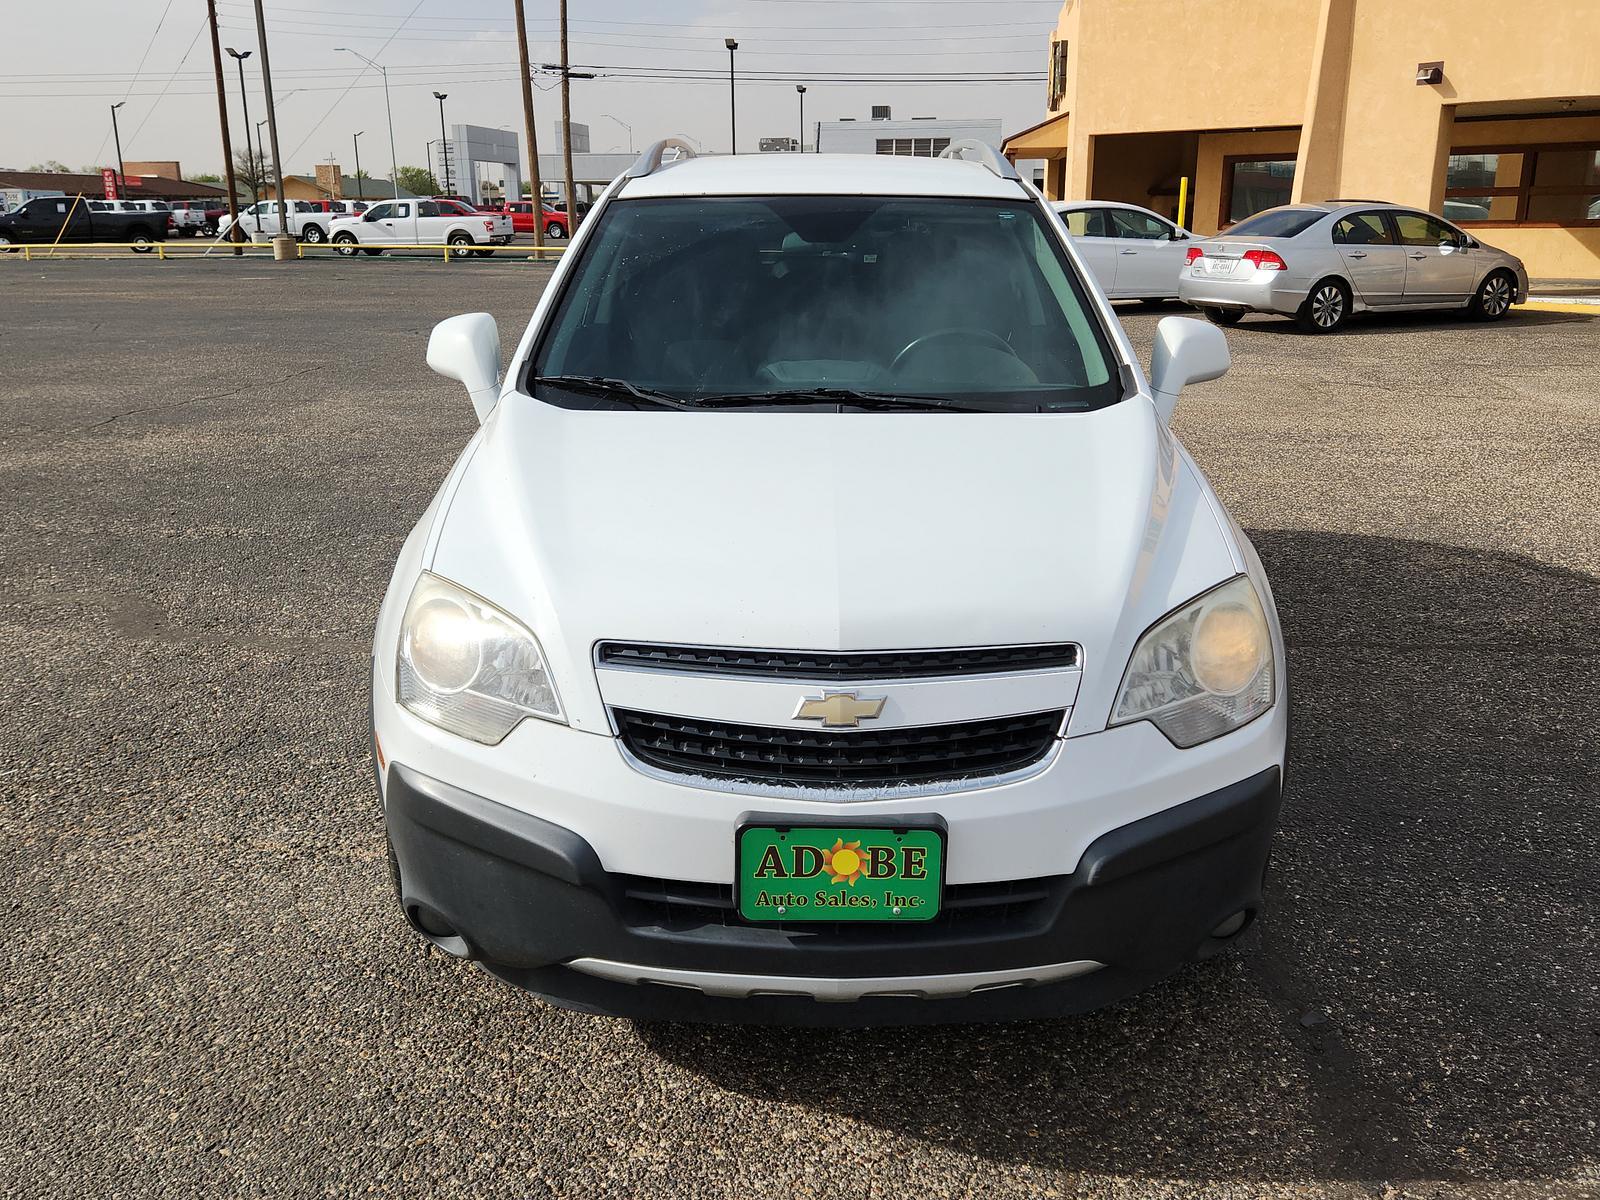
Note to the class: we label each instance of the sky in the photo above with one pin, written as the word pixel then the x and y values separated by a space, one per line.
pixel 57 82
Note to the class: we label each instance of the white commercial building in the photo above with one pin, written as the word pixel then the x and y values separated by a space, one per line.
pixel 882 134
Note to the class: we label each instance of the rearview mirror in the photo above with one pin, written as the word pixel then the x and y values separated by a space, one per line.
pixel 467 349
pixel 1187 351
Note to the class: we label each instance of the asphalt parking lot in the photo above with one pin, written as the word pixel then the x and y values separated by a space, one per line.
pixel 206 470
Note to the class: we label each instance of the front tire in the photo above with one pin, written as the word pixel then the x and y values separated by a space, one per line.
pixel 346 244
pixel 1223 316
pixel 1494 296
pixel 554 232
pixel 1326 309
pixel 313 235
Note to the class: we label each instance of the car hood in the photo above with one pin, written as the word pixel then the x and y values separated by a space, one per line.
pixel 825 530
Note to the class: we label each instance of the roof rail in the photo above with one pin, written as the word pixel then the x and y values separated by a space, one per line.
pixel 650 161
pixel 972 150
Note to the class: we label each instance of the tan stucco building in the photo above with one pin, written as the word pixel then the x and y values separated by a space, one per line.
pixel 1485 111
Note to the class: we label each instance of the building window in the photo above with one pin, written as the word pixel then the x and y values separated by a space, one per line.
pixel 1555 184
pixel 1058 73
pixel 1250 185
pixel 928 147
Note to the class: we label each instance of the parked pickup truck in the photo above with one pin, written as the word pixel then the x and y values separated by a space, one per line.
pixel 189 217
pixel 421 222
pixel 70 219
pixel 307 222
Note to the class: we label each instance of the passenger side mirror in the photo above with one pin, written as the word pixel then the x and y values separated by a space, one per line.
pixel 467 349
pixel 1187 351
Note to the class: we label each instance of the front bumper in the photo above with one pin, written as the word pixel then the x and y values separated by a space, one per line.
pixel 531 901
pixel 1252 291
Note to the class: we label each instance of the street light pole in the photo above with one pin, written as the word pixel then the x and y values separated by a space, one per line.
pixel 394 163
pixel 122 175
pixel 625 125
pixel 444 142
pixel 249 149
pixel 733 119
pixel 361 192
pixel 801 88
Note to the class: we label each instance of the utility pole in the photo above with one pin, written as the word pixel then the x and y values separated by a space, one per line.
pixel 249 150
pixel 566 126
pixel 801 88
pixel 733 116
pixel 283 236
pixel 444 142
pixel 533 132
pixel 361 192
pixel 122 175
pixel 234 231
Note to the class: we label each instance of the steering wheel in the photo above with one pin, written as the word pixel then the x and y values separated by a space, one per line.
pixel 982 337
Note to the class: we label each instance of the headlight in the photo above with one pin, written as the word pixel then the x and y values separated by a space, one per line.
pixel 468 667
pixel 1203 670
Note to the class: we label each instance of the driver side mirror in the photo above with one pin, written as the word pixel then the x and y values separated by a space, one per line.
pixel 1187 351
pixel 467 349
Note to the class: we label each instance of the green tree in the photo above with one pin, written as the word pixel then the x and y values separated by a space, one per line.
pixel 206 177
pixel 418 180
pixel 52 166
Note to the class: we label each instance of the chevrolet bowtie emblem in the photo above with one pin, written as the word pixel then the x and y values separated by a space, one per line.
pixel 838 709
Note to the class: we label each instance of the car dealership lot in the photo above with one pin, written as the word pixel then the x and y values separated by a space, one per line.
pixel 207 469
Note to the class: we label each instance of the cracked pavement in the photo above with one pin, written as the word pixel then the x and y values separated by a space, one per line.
pixel 206 469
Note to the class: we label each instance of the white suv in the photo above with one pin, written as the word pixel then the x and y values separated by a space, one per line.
pixel 824 611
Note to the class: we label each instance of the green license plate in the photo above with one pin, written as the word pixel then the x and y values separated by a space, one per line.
pixel 837 873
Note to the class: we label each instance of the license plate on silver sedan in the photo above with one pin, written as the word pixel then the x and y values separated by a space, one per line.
pixel 1220 266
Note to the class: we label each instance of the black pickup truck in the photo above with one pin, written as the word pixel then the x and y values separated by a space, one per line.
pixel 49 219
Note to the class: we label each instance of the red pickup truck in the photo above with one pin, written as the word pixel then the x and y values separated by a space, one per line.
pixel 522 219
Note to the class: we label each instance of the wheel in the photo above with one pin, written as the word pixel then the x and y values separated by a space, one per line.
pixel 1327 307
pixel 346 244
pixel 313 235
pixel 555 232
pixel 5 245
pixel 484 253
pixel 460 245
pixel 141 243
pixel 1494 296
pixel 1223 316
pixel 372 250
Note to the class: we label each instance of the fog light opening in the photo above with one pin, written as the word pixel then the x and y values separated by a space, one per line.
pixel 439 931
pixel 1233 926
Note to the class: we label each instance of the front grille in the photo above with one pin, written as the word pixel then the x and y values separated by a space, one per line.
pixel 821 758
pixel 679 906
pixel 837 664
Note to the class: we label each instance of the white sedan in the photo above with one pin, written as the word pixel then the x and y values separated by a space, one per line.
pixel 421 223
pixel 1135 254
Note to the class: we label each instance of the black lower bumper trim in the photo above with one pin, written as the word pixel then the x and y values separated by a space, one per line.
pixel 525 895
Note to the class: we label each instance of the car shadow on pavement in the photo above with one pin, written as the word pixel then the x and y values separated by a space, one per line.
pixel 1394 322
pixel 1420 1001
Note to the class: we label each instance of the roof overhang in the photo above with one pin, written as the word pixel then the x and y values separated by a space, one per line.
pixel 1047 139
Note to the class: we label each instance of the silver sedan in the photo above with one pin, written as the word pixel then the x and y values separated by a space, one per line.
pixel 1319 263
pixel 1133 253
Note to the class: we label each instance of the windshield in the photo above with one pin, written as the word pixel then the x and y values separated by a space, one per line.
pixel 698 298
pixel 1276 222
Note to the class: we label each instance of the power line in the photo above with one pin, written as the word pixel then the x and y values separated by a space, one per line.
pixel 353 81
pixel 160 21
pixel 204 21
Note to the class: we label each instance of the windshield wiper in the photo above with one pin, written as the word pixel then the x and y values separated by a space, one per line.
pixel 616 389
pixel 833 395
